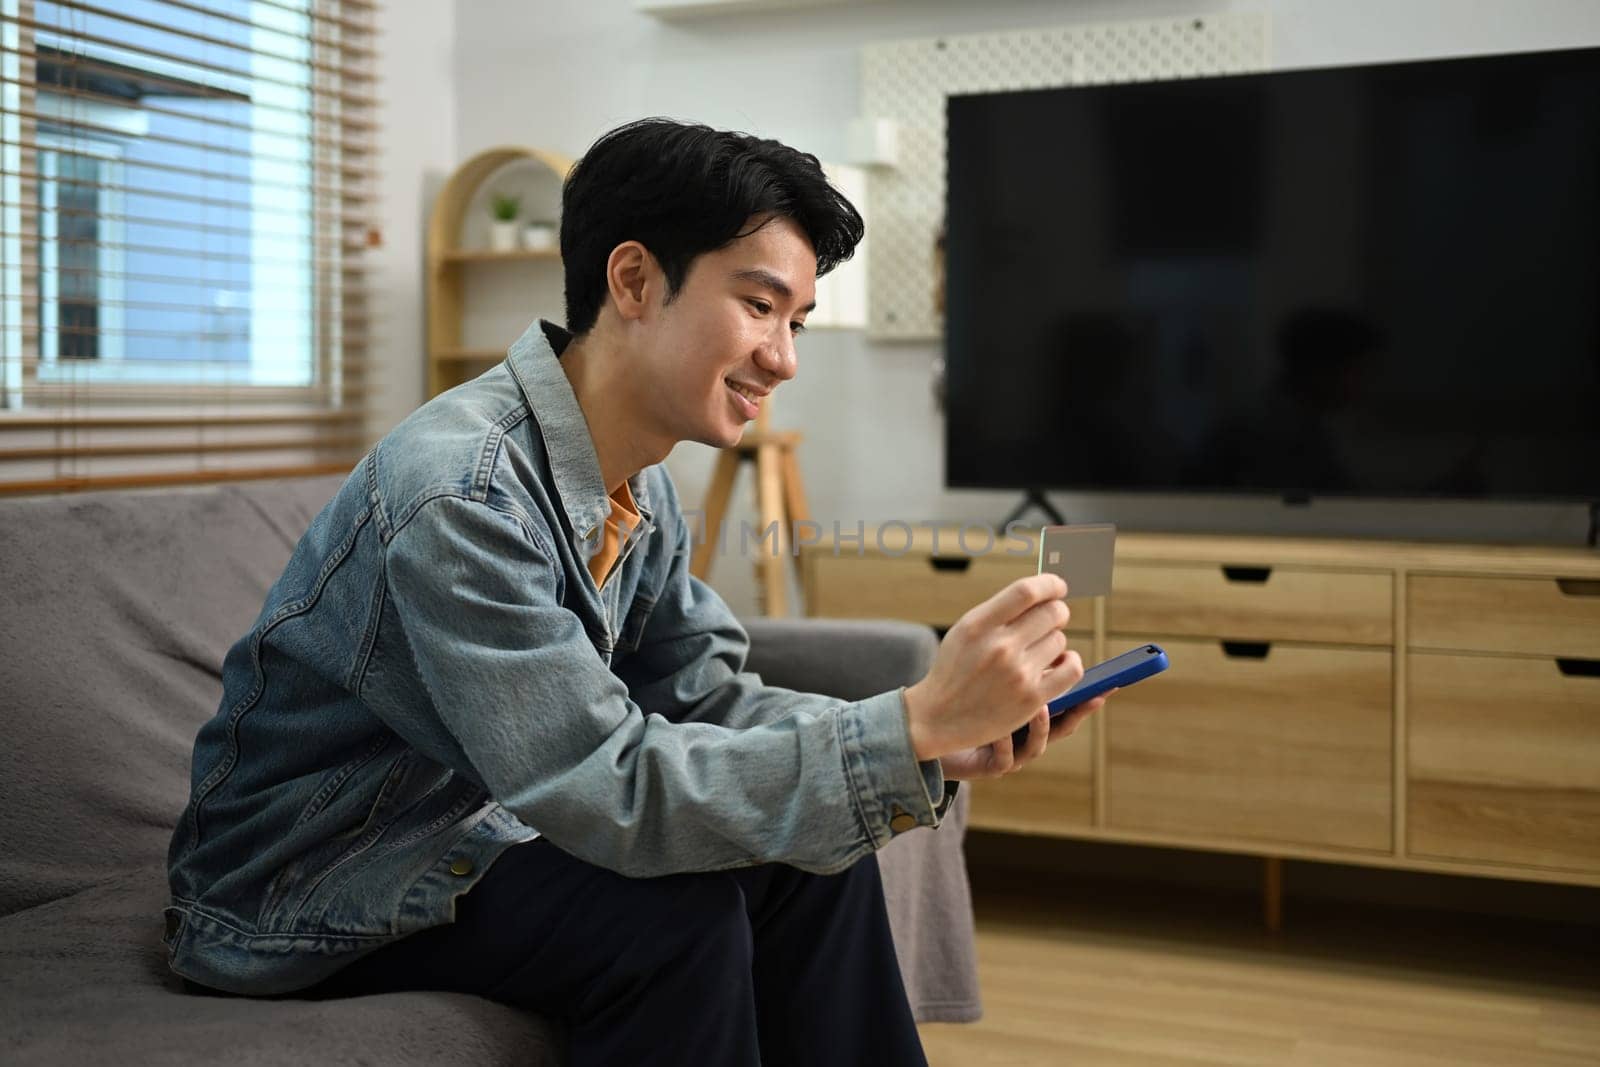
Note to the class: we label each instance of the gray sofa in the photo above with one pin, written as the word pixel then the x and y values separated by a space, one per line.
pixel 115 611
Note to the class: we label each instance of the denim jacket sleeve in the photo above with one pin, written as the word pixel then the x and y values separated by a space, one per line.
pixel 689 663
pixel 555 738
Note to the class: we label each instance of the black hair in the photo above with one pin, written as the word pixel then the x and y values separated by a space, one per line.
pixel 682 190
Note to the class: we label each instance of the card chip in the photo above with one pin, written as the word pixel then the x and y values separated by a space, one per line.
pixel 1055 558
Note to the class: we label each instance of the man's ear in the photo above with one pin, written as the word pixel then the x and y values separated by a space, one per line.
pixel 631 277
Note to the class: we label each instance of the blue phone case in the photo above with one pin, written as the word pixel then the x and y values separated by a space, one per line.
pixel 1118 672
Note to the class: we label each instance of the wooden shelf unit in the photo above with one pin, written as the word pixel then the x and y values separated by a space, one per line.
pixel 449 361
pixel 488 255
pixel 1420 706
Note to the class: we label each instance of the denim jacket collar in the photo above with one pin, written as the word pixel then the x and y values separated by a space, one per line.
pixel 573 459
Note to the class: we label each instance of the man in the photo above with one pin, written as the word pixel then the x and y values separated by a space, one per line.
pixel 488 734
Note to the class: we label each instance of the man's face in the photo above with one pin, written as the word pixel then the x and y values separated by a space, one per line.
pixel 727 338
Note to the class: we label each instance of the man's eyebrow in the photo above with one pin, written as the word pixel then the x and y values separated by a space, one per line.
pixel 773 282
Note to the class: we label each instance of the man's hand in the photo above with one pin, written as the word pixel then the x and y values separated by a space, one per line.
pixel 1001 757
pixel 994 671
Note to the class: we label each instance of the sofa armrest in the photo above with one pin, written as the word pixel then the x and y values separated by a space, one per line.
pixel 850 659
pixel 925 884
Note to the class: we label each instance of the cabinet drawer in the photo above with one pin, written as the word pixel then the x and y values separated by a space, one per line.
pixel 937 591
pixel 1295 745
pixel 1503 760
pixel 1053 793
pixel 1536 616
pixel 1254 604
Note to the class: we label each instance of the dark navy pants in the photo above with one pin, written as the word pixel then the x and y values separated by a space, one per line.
pixel 763 964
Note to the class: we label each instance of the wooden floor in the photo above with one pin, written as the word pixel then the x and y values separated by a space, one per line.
pixel 1119 973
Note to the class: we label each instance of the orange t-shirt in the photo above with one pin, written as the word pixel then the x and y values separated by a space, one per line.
pixel 623 518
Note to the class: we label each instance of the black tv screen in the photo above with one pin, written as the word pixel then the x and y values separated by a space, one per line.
pixel 1373 281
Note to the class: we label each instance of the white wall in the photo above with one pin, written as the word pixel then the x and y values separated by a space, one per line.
pixel 559 74
pixel 417 84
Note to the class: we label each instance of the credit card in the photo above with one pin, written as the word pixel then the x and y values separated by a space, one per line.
pixel 1082 554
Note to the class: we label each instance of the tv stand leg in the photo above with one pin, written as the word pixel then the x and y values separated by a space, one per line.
pixel 1033 498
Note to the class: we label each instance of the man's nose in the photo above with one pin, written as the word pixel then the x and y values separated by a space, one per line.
pixel 777 357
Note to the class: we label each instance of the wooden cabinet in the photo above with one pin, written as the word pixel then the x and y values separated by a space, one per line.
pixel 1432 707
pixel 1504 761
pixel 1532 616
pixel 1278 742
pixel 1253 602
pixel 936 590
pixel 1503 720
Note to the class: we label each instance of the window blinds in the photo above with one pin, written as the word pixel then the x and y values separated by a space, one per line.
pixel 187 189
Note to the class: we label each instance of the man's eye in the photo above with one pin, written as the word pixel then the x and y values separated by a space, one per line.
pixel 798 328
pixel 761 306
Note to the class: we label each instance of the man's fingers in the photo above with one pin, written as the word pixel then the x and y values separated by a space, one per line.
pixel 1048 651
pixel 1040 621
pixel 1002 755
pixel 1015 599
pixel 1062 673
pixel 1068 723
pixel 1038 736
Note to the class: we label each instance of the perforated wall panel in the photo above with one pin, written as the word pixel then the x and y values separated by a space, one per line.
pixel 907 81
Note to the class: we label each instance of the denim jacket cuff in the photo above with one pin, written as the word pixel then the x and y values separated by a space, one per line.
pixel 894 792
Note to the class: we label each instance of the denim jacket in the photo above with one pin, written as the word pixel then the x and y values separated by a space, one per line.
pixel 435 677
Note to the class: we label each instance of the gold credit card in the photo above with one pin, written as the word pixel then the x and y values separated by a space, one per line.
pixel 1082 554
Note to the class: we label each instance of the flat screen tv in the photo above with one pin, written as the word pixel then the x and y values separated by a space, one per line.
pixel 1374 281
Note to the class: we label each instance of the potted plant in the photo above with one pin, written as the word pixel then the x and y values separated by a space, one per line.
pixel 503 228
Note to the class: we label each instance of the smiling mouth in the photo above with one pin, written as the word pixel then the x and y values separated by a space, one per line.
pixel 745 391
pixel 747 399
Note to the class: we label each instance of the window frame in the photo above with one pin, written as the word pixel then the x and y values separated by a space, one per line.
pixel 310 370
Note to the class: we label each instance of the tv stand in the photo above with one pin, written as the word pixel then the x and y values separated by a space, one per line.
pixel 1033 498
pixel 1373 731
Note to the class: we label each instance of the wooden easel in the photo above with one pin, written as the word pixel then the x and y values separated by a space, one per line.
pixel 781 499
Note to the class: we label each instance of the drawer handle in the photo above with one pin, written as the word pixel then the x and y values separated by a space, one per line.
pixel 1578 586
pixel 1246 649
pixel 1579 668
pixel 950 563
pixel 1254 575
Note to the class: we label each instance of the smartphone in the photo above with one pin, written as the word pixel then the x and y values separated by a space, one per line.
pixel 1119 672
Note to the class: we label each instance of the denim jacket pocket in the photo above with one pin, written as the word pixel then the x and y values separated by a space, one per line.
pixel 290 873
pixel 299 880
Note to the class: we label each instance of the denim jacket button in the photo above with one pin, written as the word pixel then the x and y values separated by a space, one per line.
pixel 461 867
pixel 902 821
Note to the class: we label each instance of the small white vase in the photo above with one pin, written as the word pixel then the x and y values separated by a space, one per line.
pixel 539 237
pixel 502 236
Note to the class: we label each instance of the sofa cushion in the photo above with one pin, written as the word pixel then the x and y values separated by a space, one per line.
pixel 82 981
pixel 119 608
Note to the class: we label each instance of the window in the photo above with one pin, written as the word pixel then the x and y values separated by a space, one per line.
pixel 185 190
pixel 81 260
